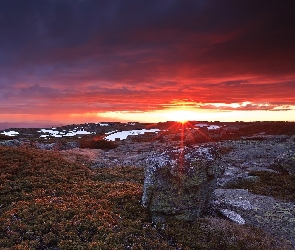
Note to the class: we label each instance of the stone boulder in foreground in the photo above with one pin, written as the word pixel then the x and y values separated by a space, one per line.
pixel 179 182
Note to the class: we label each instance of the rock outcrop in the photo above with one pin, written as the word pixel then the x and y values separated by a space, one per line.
pixel 179 182
pixel 10 143
pixel 285 163
pixel 242 207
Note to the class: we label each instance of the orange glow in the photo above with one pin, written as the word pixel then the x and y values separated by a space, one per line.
pixel 181 115
pixel 216 112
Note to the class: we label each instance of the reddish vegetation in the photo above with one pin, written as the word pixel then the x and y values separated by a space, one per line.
pixel 5 137
pixel 47 202
pixel 96 143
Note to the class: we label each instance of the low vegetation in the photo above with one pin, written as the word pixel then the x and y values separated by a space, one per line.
pixel 5 137
pixel 270 128
pixel 47 202
pixel 280 186
pixel 94 143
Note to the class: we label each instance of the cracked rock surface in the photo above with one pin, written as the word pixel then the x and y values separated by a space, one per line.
pixel 274 216
pixel 244 156
pixel 179 182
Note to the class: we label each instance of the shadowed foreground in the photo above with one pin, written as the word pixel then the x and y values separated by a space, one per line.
pixel 47 202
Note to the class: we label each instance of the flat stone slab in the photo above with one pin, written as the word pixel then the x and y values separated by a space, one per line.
pixel 272 215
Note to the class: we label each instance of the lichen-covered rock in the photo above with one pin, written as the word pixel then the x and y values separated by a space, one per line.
pixel 179 182
pixel 233 216
pixel 243 207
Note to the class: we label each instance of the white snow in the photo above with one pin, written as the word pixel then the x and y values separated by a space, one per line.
pixel 10 133
pixel 50 131
pixel 56 133
pixel 201 125
pixel 70 133
pixel 213 127
pixel 83 132
pixel 123 134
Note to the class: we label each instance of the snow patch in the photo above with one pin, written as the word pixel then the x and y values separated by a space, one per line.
pixel 122 135
pixel 210 127
pixel 10 133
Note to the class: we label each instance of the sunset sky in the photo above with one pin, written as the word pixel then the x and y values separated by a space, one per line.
pixel 79 61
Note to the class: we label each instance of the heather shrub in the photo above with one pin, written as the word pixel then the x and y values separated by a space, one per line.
pixel 94 143
pixel 47 202
pixel 214 233
pixel 5 137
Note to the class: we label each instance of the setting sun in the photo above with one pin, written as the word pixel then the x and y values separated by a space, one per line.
pixel 181 115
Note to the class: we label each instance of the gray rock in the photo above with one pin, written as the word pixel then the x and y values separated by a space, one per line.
pixel 47 146
pixel 11 143
pixel 275 153
pixel 285 163
pixel 273 216
pixel 100 165
pixel 234 177
pixel 233 216
pixel 69 145
pixel 179 182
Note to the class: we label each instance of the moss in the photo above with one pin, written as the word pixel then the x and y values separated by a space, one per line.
pixel 213 233
pixel 280 186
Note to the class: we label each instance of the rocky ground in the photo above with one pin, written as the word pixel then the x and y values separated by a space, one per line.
pixel 239 158
pixel 274 216
pixel 242 156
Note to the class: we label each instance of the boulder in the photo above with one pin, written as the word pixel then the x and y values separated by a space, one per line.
pixel 179 182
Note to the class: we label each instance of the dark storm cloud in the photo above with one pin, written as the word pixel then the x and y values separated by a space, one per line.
pixel 33 91
pixel 38 28
pixel 207 50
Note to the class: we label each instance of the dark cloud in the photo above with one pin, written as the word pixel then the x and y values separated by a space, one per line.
pixel 234 83
pixel 34 92
pixel 146 52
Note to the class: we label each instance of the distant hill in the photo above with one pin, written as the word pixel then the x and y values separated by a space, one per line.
pixel 6 125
